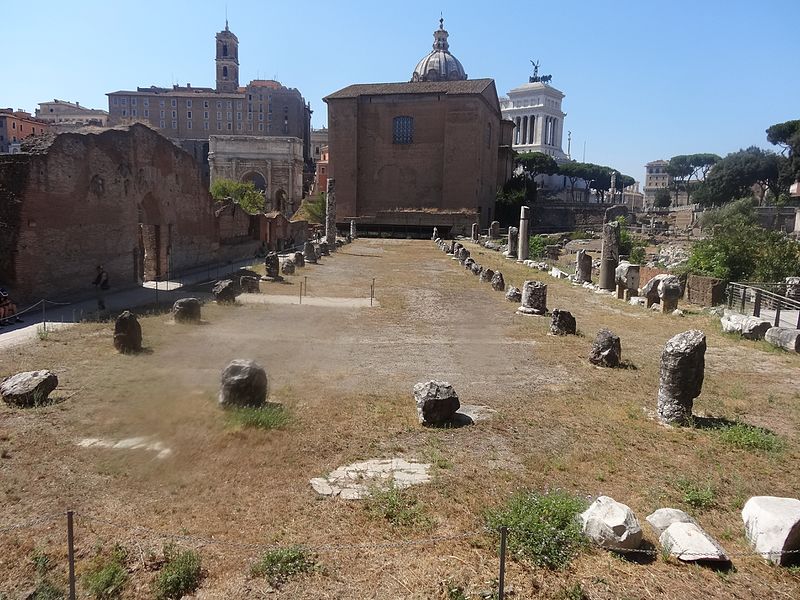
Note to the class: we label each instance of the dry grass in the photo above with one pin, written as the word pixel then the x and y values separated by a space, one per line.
pixel 345 375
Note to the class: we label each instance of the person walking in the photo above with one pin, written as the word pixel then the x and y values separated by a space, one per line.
pixel 100 284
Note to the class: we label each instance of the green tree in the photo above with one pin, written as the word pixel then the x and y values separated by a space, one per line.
pixel 662 198
pixel 573 171
pixel 688 170
pixel 787 136
pixel 740 250
pixel 243 192
pixel 735 175
pixel 534 164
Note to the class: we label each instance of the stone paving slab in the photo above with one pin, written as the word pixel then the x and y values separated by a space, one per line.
pixel 356 481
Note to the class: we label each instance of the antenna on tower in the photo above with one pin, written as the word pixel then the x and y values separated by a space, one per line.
pixel 226 17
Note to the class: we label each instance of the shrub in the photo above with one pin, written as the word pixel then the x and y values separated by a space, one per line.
pixel 536 244
pixel 278 566
pixel 265 417
pixel 180 575
pixel 543 528
pixel 400 507
pixel 697 496
pixel 108 576
pixel 580 234
pixel 637 255
pixel 243 192
pixel 740 250
pixel 748 437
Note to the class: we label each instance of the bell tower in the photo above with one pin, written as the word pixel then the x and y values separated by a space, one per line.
pixel 227 61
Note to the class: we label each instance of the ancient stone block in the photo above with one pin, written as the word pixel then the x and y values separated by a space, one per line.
pixel 682 371
pixel 513 242
pixel 486 275
pixel 606 350
pixel 225 291
pixel 611 524
pixel 299 260
pixel 689 543
pixel 127 333
pixel 287 268
pixel 534 298
pixel 772 526
pixel 583 267
pixel 437 402
pixel 562 323
pixel 498 283
pixel 514 294
pixel 609 255
pixel 186 310
pixel 784 337
pixel 29 388
pixel 309 254
pixel 243 383
pixel 249 285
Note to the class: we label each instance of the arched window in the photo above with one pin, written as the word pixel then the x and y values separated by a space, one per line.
pixel 225 72
pixel 403 130
pixel 224 49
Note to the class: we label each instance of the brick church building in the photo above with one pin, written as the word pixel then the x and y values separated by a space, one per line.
pixel 427 153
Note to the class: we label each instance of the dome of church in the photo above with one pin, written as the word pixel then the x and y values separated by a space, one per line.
pixel 439 65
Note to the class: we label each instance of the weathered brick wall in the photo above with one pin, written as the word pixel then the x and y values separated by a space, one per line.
pixel 647 273
pixel 13 175
pixel 84 199
pixel 705 291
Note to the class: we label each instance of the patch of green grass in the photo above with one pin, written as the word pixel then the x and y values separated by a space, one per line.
pixel 695 495
pixel 41 562
pixel 453 591
pixel 265 417
pixel 45 589
pixel 399 507
pixel 748 437
pixel 573 592
pixel 180 575
pixel 278 566
pixel 433 455
pixel 107 576
pixel 543 527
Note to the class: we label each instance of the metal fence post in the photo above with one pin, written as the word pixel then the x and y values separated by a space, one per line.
pixel 777 314
pixel 44 316
pixel 757 304
pixel 744 298
pixel 501 580
pixel 71 555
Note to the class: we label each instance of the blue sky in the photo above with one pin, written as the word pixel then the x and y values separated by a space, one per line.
pixel 643 80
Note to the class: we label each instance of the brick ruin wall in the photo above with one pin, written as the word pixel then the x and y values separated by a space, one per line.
pixel 555 219
pixel 125 198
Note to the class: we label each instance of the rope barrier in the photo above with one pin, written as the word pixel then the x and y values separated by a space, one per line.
pixel 264 547
pixel 31 523
pixel 557 535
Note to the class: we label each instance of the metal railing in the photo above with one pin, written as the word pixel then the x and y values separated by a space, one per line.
pixel 756 300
